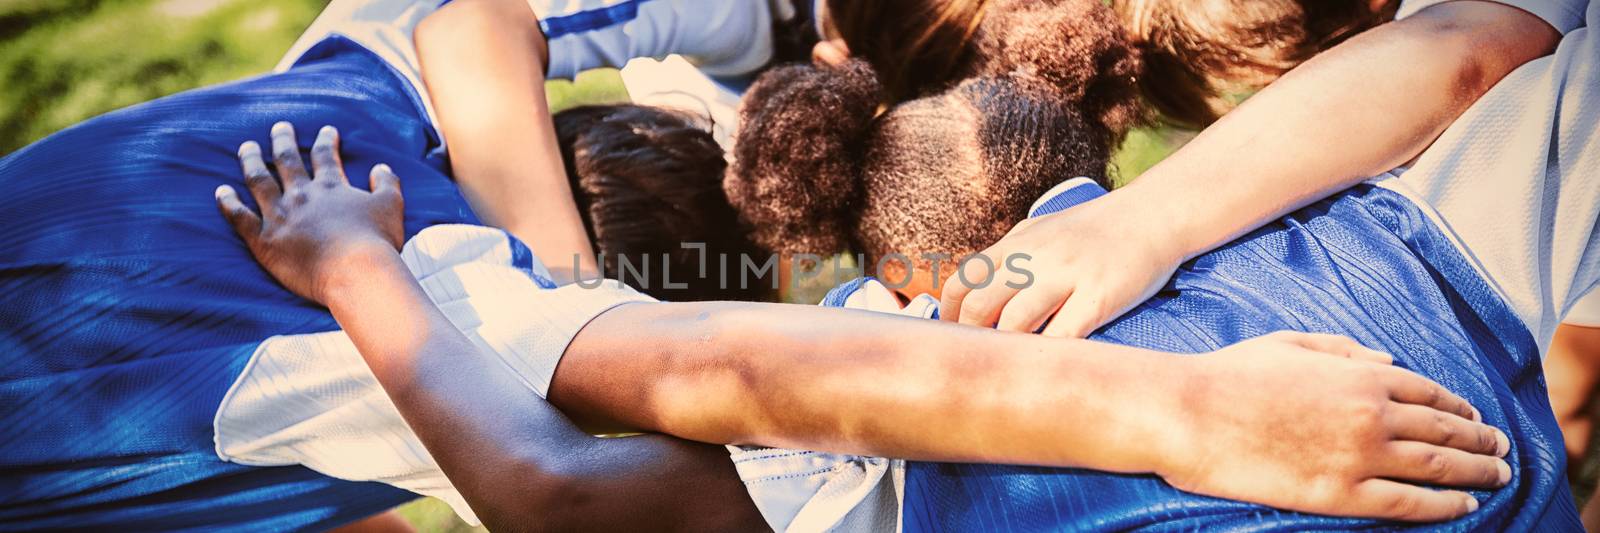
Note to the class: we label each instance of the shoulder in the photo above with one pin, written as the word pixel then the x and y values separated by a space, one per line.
pixel 723 38
pixel 1563 15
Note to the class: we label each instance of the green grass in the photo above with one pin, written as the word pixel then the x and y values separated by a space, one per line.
pixel 429 515
pixel 1143 149
pixel 63 61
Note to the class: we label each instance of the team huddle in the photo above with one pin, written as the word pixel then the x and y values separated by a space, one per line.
pixel 1329 311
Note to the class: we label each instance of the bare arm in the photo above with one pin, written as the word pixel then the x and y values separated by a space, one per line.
pixel 1362 108
pixel 519 463
pixel 484 63
pixel 866 383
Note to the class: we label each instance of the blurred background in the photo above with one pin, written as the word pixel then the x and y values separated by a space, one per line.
pixel 63 61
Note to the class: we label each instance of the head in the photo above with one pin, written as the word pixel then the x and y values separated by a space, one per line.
pixel 1198 51
pixel 647 181
pixel 921 47
pixel 819 171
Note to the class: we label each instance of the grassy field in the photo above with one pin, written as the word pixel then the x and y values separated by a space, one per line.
pixel 62 61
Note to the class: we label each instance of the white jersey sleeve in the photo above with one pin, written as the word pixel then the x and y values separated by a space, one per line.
pixel 1516 181
pixel 1563 15
pixel 722 38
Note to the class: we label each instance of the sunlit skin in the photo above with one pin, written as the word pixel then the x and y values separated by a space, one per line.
pixel 1312 422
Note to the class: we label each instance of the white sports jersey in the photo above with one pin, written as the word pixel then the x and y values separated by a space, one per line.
pixel 721 38
pixel 1516 179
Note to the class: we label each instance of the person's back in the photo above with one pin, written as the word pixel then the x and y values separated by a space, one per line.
pixel 1368 264
pixel 131 305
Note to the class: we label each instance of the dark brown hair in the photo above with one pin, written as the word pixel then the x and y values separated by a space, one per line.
pixel 1197 51
pixel 919 47
pixel 818 171
pixel 646 181
pixel 916 45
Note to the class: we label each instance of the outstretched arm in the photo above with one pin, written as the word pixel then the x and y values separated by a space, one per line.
pixel 1304 422
pixel 1357 110
pixel 519 463
pixel 484 64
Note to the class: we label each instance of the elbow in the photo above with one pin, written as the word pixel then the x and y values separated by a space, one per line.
pixel 541 495
pixel 1478 44
pixel 711 359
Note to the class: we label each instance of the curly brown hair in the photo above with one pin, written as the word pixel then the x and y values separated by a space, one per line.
pixel 819 171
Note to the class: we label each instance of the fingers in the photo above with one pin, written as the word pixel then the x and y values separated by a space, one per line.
pixel 950 300
pixel 982 306
pixel 258 179
pixel 286 156
pixel 244 221
pixel 325 162
pixel 1432 426
pixel 1079 316
pixel 1408 387
pixel 1381 498
pixel 1030 308
pixel 1341 346
pixel 1426 463
pixel 988 293
pixel 384 181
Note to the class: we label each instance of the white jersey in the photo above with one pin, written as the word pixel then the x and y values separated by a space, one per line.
pixel 1516 179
